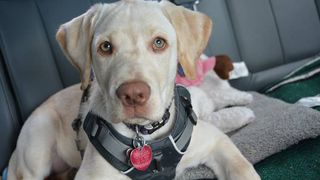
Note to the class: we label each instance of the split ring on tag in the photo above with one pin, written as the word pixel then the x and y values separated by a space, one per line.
pixel 138 141
pixel 141 156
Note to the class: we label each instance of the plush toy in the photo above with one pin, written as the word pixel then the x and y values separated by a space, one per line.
pixel 213 98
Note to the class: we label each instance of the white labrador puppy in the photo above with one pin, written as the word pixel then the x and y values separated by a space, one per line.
pixel 133 48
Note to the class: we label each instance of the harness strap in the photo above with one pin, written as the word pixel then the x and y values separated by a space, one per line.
pixel 194 3
pixel 185 136
pixel 113 146
pixel 102 133
pixel 99 131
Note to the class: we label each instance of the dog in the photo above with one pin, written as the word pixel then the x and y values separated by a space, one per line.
pixel 132 47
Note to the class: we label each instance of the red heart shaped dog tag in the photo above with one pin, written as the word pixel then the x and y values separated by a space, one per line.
pixel 141 157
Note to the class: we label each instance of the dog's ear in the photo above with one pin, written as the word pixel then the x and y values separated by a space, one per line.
pixel 193 31
pixel 75 39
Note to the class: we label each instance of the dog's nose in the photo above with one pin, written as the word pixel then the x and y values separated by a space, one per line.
pixel 134 93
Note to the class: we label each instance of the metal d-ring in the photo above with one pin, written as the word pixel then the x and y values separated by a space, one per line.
pixel 138 141
pixel 195 5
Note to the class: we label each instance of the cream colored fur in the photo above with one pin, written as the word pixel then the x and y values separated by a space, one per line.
pixel 46 142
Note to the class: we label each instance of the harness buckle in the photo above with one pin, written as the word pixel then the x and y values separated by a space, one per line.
pixel 159 167
pixel 193 117
pixel 138 141
pixel 195 5
pixel 189 110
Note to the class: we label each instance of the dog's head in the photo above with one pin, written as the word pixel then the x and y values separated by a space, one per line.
pixel 133 48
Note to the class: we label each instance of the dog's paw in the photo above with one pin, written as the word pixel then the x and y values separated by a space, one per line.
pixel 242 170
pixel 245 173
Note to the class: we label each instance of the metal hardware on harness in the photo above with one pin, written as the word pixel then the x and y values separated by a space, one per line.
pixel 195 5
pixel 191 4
pixel 138 141
pixel 151 128
pixel 190 113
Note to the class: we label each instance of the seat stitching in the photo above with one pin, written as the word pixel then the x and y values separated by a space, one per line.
pixel 6 96
pixel 233 30
pixel 284 57
pixel 49 43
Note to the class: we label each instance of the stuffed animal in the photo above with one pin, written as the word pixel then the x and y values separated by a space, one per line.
pixel 218 102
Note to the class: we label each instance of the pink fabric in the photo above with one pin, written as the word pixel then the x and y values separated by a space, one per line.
pixel 203 66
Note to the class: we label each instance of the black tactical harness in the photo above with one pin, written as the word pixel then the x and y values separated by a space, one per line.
pixel 167 152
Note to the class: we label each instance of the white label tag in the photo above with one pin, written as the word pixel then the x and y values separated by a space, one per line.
pixel 310 101
pixel 239 70
pixel 204 57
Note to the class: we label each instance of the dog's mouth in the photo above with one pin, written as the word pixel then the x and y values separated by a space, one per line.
pixel 141 121
pixel 136 113
pixel 148 125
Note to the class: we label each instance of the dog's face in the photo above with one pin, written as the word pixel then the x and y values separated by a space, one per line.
pixel 133 48
pixel 142 58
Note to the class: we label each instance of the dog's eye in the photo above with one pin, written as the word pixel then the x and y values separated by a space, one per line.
pixel 105 48
pixel 158 44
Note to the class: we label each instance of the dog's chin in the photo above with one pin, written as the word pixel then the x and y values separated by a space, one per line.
pixel 140 120
pixel 137 121
pixel 137 116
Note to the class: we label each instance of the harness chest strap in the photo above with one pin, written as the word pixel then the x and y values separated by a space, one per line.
pixel 99 131
pixel 112 145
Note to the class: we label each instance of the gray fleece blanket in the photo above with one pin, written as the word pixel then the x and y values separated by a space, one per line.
pixel 278 125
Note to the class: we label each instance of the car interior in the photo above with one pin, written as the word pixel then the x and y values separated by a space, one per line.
pixel 272 37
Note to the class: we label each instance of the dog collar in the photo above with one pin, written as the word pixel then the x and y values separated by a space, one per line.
pixel 167 152
pixel 151 128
